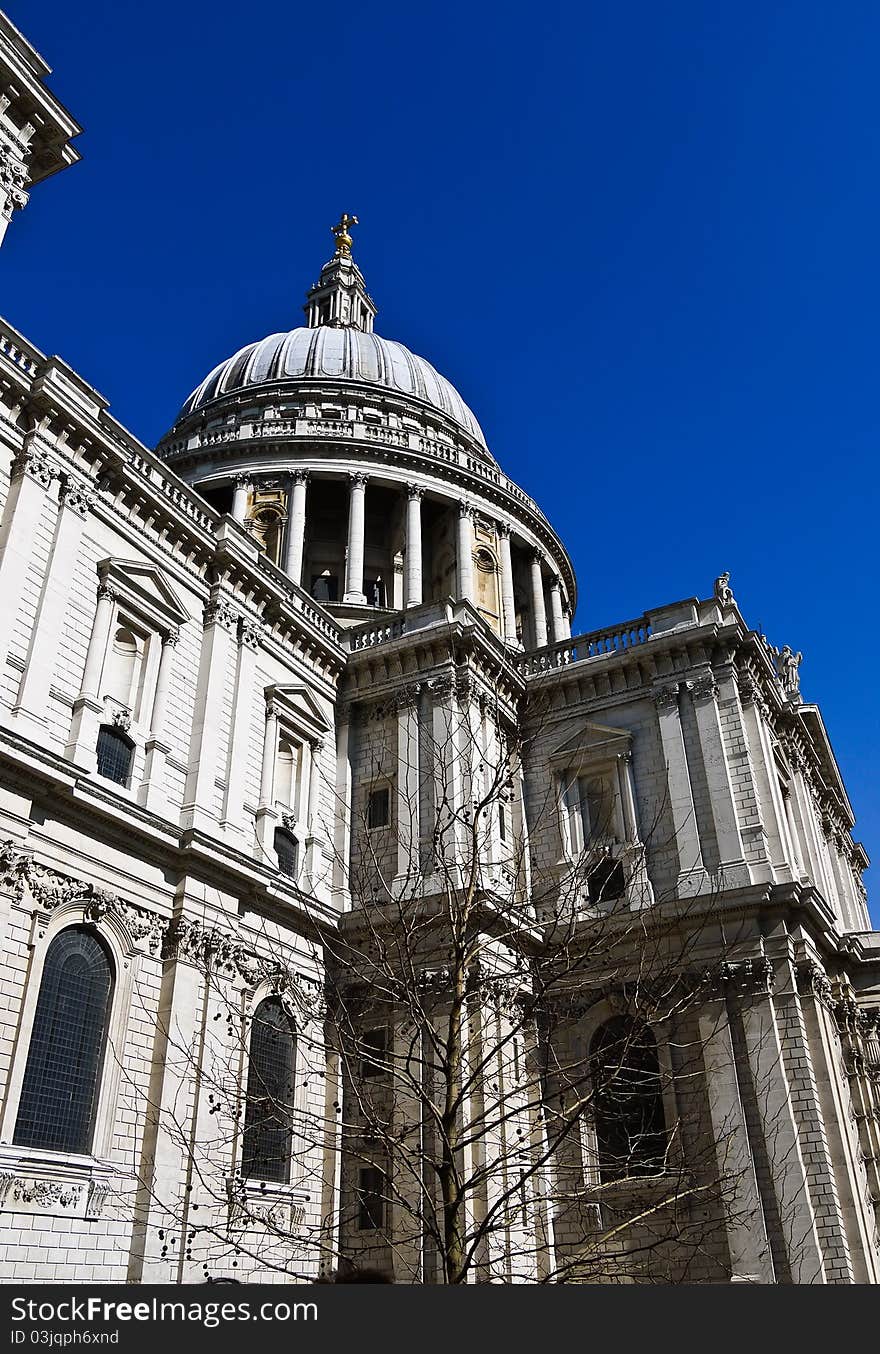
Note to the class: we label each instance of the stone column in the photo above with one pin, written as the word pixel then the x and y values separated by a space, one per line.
pixel 557 619
pixel 407 704
pixel 722 804
pixel 414 545
pixel 220 621
pixel 31 475
pixel 240 493
pixel 314 854
pixel 566 623
pixel 681 802
pixel 88 708
pixel 295 535
pixel 266 814
pixel 354 558
pixel 152 793
pixel 233 819
pixel 342 817
pixel 465 554
pixel 508 604
pixel 539 612
pixel 33 692
pixel 747 1242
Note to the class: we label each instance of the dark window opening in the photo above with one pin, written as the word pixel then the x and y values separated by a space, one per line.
pixel 286 851
pixel 375 1049
pixel 60 1090
pixel 325 587
pixel 379 808
pixel 269 1095
pixel 114 752
pixel 606 881
pixel 371 1199
pixel 628 1102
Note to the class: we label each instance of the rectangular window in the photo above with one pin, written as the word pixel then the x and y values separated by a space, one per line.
pixel 379 808
pixel 371 1199
pixel 375 1050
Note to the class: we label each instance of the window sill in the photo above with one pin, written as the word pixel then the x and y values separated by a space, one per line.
pixel 266 1204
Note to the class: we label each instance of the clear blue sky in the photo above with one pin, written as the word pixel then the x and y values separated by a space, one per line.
pixel 641 239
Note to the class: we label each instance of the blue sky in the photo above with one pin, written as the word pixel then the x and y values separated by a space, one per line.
pixel 640 239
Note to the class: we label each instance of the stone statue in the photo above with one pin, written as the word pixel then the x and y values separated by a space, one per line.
pixel 723 590
pixel 788 664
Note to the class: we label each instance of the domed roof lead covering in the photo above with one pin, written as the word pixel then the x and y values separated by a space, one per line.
pixel 338 354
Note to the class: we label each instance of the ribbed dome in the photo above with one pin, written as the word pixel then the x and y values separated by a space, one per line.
pixel 340 355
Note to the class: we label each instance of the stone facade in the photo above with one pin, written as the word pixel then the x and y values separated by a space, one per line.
pixel 255 686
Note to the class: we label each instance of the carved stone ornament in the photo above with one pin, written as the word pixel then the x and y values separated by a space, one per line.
pixel 13 177
pixel 357 479
pixel 812 978
pixel 219 611
pixel 441 686
pixel 302 997
pixel 120 718
pixel 44 1193
pixel 665 697
pixel 34 461
pixel 747 976
pixel 415 491
pixel 703 687
pixel 723 590
pixel 407 698
pixel 250 633
pixel 77 499
pixel 49 890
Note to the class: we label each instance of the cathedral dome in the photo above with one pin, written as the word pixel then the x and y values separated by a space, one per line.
pixel 336 354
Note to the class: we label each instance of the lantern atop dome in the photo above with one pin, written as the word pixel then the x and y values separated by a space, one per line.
pixel 339 299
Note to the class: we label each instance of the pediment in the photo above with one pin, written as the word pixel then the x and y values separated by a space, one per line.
pixel 591 743
pixel 299 707
pixel 145 588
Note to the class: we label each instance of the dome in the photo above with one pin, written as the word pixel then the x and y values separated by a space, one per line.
pixel 337 354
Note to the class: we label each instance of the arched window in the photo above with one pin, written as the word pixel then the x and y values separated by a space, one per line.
pixel 114 753
pixel 122 678
pixel 60 1089
pixel 269 1097
pixel 286 851
pixel 631 1133
pixel 287 774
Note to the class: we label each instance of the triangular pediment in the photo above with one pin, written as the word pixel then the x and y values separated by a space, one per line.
pixel 145 587
pixel 300 706
pixel 591 743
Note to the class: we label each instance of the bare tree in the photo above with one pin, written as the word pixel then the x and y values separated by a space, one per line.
pixel 510 1056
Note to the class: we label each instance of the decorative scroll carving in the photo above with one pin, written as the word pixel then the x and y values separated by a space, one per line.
pixel 13 177
pixel 812 978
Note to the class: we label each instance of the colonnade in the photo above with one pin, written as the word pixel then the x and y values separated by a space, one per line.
pixel 552 628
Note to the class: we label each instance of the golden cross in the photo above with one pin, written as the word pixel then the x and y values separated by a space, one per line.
pixel 343 239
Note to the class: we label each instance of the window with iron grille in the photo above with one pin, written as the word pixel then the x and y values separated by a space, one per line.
pixel 269 1096
pixel 630 1123
pixel 59 1094
pixel 371 1199
pixel 287 851
pixel 115 753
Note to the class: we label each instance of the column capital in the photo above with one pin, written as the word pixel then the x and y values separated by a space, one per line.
pixel 77 498
pixel 106 592
pixel 171 638
pixel 35 462
pixel 555 583
pixel 300 476
pixel 666 697
pixel 702 687
pixel 250 633
pixel 465 509
pixel 536 556
pixel 415 491
pixel 243 480
pixel 503 530
pixel 271 709
pixel 358 479
pixel 219 611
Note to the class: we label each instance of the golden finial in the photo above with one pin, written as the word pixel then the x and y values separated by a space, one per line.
pixel 343 239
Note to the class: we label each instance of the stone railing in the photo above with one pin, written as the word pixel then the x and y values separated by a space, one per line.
pixel 368 636
pixel 26 358
pixel 597 643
